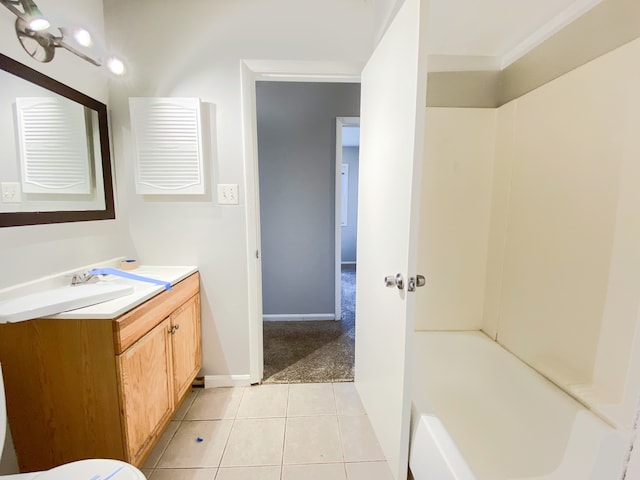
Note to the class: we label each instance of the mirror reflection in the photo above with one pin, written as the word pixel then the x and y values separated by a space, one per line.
pixel 54 152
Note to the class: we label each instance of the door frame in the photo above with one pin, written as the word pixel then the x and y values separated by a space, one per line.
pixel 283 71
pixel 340 122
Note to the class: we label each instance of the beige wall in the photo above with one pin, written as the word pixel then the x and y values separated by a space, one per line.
pixel 563 273
pixel 455 207
pixel 464 89
pixel 501 185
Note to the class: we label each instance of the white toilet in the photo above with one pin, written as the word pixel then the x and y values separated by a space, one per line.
pixel 93 469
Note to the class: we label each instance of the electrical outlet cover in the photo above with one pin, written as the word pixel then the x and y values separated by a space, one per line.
pixel 11 192
pixel 228 194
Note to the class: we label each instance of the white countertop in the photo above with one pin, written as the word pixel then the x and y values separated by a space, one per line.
pixel 143 291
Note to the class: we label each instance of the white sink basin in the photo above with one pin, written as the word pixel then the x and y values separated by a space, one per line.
pixel 61 299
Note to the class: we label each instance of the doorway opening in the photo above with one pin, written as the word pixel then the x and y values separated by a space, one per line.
pixel 305 338
pixel 347 160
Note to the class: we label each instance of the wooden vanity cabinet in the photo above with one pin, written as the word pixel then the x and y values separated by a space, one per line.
pixel 146 388
pixel 100 388
pixel 186 346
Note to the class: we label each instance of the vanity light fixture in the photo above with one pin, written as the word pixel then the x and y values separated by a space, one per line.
pixel 29 13
pixel 32 29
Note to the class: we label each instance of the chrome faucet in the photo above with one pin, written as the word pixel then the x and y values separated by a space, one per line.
pixel 80 278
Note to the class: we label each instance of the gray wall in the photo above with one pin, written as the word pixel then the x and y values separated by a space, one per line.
pixel 350 156
pixel 296 156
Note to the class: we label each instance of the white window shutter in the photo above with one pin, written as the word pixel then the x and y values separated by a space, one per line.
pixel 167 136
pixel 54 152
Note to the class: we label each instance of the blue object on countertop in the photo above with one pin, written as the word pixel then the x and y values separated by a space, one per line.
pixel 120 273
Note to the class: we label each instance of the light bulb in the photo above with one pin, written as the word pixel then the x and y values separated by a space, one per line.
pixel 83 37
pixel 37 24
pixel 116 66
pixel 35 19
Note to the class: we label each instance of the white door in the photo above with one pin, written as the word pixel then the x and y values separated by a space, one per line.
pixel 394 84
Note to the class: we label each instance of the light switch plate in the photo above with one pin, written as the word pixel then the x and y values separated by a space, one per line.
pixel 228 194
pixel 11 192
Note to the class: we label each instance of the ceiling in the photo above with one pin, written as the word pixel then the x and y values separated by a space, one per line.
pixel 491 34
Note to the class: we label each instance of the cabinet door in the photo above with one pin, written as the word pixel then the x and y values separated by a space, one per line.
pixel 187 350
pixel 146 387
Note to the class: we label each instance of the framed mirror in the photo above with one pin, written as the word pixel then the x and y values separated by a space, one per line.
pixel 55 161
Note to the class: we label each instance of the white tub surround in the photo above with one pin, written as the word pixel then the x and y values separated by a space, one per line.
pixel 479 413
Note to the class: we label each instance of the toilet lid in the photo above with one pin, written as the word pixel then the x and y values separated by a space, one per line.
pixel 93 469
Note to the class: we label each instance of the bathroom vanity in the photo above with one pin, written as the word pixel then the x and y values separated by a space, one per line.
pixel 101 381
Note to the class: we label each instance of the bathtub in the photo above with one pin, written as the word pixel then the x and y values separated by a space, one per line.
pixel 479 413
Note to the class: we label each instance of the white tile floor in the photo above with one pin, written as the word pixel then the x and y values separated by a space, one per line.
pixel 315 431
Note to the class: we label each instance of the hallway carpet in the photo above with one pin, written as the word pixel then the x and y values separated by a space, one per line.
pixel 313 351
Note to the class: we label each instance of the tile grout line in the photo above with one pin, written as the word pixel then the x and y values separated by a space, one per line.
pixel 233 415
pixel 233 422
pixel 164 450
pixel 284 437
pixel 180 422
pixel 335 401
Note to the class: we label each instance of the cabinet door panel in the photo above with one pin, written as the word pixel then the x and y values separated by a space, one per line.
pixel 146 387
pixel 187 351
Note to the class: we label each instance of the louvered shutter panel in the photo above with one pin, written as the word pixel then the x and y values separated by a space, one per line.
pixel 54 153
pixel 167 136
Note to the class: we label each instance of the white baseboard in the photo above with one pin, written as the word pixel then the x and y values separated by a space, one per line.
pixel 298 317
pixel 216 381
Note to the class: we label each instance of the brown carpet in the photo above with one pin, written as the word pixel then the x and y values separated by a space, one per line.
pixel 313 351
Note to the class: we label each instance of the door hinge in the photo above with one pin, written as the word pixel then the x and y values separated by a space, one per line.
pixel 257 253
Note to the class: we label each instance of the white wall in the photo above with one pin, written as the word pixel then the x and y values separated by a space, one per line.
pixel 34 251
pixel 194 49
pixel 455 208
pixel 30 252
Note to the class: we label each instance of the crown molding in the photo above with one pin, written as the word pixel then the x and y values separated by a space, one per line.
pixel 557 23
